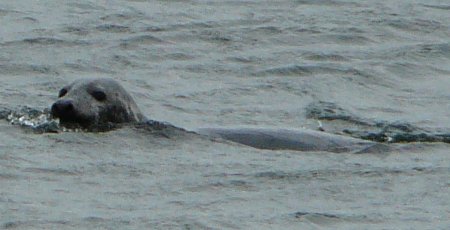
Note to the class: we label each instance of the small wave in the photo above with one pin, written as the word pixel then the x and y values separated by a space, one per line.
pixel 303 70
pixel 34 224
pixel 121 16
pixel 393 135
pixel 241 59
pixel 141 40
pixel 324 3
pixel 439 7
pixel 331 174
pixel 179 56
pixel 215 36
pixel 19 69
pixel 322 110
pixel 268 30
pixel 420 51
pixel 57 171
pixel 87 67
pixel 346 38
pixel 4 12
pixel 379 131
pixel 323 218
pixel 304 214
pixel 232 184
pixel 417 25
pixel 111 28
pixel 44 41
pixel 326 57
pixel 86 6
pixel 81 31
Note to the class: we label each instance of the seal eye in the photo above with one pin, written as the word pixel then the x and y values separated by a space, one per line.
pixel 99 95
pixel 62 92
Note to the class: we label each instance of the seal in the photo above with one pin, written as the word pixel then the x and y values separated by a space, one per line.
pixel 95 104
pixel 102 104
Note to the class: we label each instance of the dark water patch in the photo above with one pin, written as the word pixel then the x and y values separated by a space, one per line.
pixel 35 224
pixel 80 31
pixel 6 176
pixel 189 26
pixel 23 69
pixel 407 70
pixel 185 223
pixel 300 175
pixel 322 218
pixel 231 184
pixel 30 19
pixel 154 29
pixel 122 61
pixel 307 70
pixel 268 30
pixel 332 174
pixel 434 50
pixel 439 7
pixel 4 112
pixel 325 3
pixel 179 56
pixel 215 37
pixel 419 52
pixel 57 171
pixel 120 17
pixel 140 40
pixel 413 25
pixel 346 39
pixel 112 28
pixel 304 31
pixel 86 6
pixel 245 60
pixel 115 167
pixel 87 67
pixel 325 57
pixel 91 222
pixel 348 30
pixel 10 225
pixel 305 214
pixel 322 110
pixel 395 136
pixel 345 35
pixel 44 41
pixel 203 68
pixel 3 12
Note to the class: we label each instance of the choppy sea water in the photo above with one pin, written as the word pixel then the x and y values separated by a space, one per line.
pixel 356 67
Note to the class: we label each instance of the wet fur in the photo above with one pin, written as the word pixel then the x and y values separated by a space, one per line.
pixel 118 106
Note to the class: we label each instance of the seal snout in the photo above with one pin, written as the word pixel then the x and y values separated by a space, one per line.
pixel 63 109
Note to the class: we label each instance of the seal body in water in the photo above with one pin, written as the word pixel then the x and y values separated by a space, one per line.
pixel 101 104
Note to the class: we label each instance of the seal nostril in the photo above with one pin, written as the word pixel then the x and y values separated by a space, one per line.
pixel 62 108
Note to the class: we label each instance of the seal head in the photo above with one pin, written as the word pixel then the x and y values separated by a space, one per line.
pixel 97 104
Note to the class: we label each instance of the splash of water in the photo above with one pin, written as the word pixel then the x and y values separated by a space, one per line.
pixel 36 120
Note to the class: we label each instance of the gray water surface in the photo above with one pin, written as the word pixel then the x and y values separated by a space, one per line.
pixel 353 66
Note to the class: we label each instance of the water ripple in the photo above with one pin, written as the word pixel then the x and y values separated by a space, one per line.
pixel 306 70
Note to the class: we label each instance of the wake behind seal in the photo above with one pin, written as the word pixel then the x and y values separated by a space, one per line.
pixel 102 104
